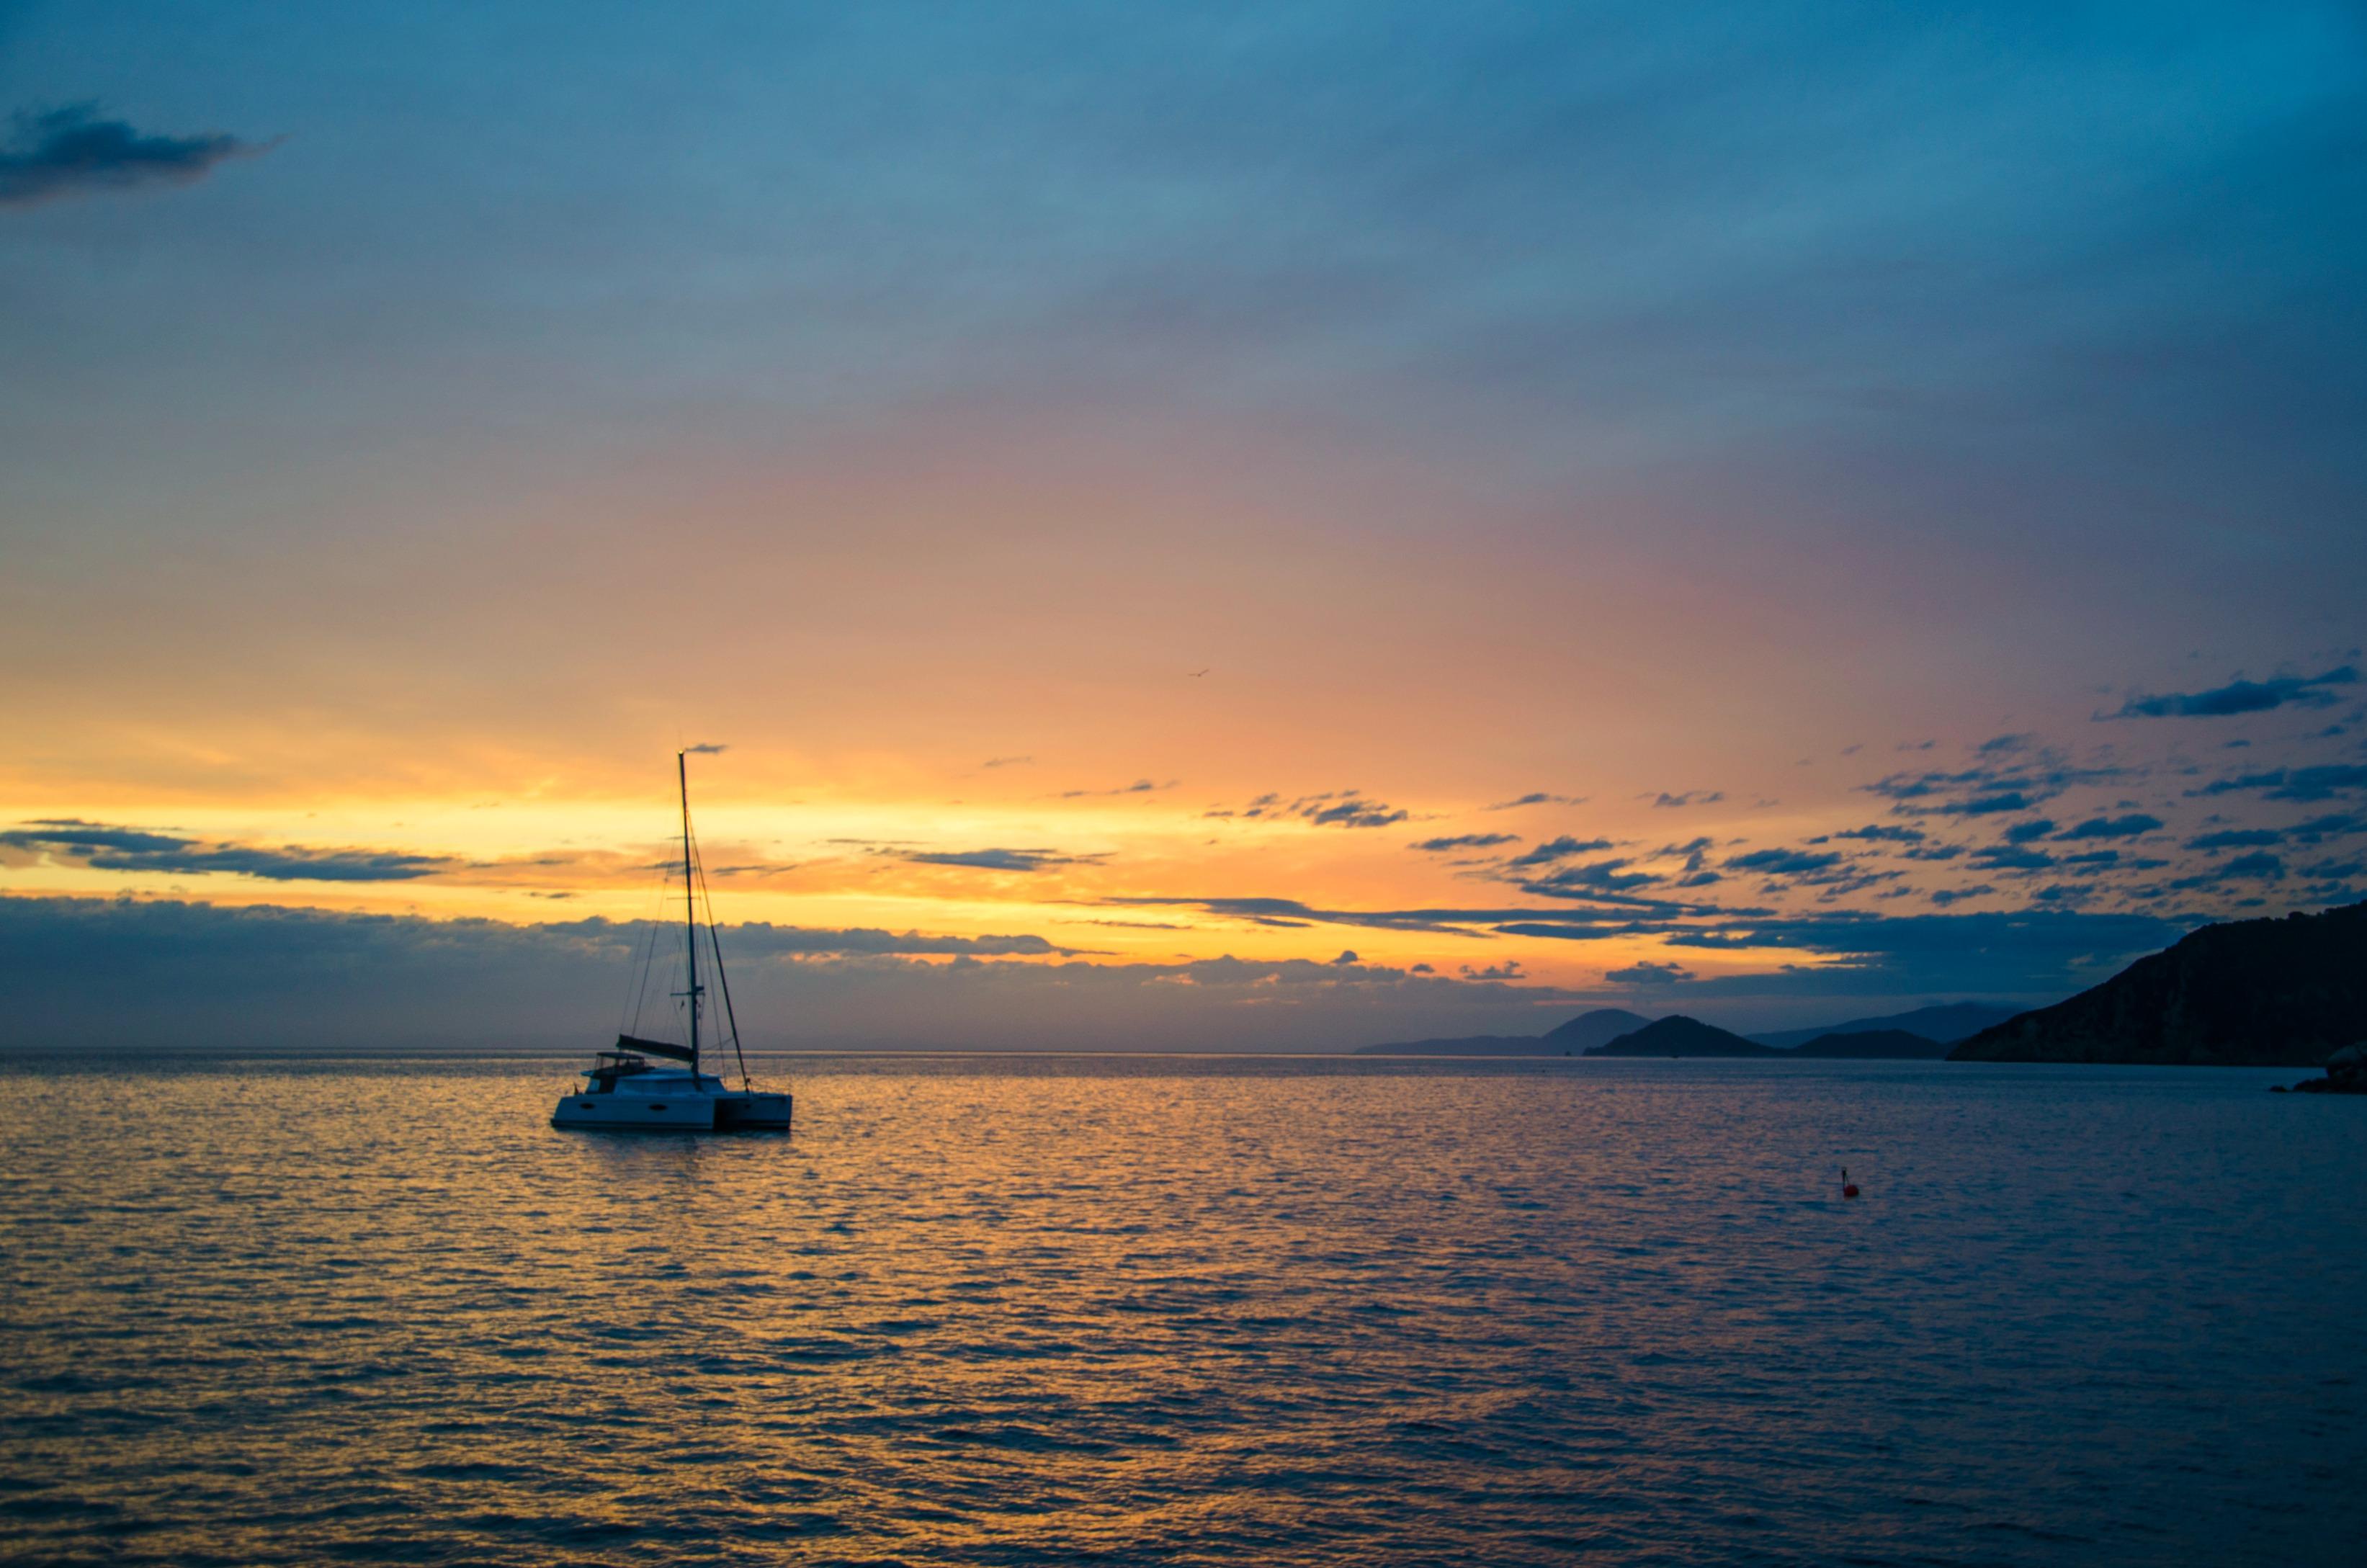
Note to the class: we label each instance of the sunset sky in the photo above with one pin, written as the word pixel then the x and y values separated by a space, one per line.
pixel 1243 527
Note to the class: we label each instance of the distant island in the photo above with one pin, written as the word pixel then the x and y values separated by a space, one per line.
pixel 1925 1032
pixel 2267 993
pixel 1678 1035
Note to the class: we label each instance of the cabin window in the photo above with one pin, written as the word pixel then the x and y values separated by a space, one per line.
pixel 660 1106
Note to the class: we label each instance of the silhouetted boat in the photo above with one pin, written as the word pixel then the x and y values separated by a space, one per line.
pixel 624 1091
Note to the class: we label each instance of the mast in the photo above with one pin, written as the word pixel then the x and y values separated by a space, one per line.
pixel 689 906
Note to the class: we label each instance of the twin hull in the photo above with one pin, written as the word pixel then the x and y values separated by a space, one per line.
pixel 692 1113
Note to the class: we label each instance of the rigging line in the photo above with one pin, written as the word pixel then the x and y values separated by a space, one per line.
pixel 723 981
pixel 637 991
pixel 657 925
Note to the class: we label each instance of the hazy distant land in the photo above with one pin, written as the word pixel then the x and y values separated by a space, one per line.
pixel 2286 992
pixel 1926 1031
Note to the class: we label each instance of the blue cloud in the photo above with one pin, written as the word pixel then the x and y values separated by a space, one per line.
pixel 2241 697
pixel 1782 863
pixel 1139 786
pixel 1464 841
pixel 102 848
pixel 1559 848
pixel 2236 839
pixel 2323 782
pixel 1876 833
pixel 1596 877
pixel 1647 972
pixel 2126 827
pixel 71 150
pixel 2258 866
pixel 1332 809
pixel 2032 953
pixel 994 860
pixel 1987 805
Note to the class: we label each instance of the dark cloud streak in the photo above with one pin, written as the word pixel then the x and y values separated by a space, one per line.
pixel 71 150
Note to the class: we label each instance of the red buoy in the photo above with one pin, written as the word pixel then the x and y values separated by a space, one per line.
pixel 1849 1188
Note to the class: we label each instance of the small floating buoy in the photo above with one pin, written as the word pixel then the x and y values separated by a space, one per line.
pixel 1849 1188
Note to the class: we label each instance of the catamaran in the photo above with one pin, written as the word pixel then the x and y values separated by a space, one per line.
pixel 624 1091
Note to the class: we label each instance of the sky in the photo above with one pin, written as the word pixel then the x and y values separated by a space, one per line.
pixel 1230 528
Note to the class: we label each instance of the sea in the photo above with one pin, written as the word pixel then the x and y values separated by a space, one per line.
pixel 1219 1309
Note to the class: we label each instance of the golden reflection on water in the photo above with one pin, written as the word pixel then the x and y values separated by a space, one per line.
pixel 1178 1309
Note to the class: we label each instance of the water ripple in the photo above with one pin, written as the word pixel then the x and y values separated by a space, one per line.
pixel 1182 1310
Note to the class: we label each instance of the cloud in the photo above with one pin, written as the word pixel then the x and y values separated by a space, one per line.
pixel 2321 783
pixel 1948 896
pixel 102 848
pixel 1596 877
pixel 758 940
pixel 1570 931
pixel 1464 841
pixel 1006 762
pixel 763 939
pixel 2240 696
pixel 2236 839
pixel 1139 786
pixel 168 972
pixel 1352 811
pixel 1884 835
pixel 2025 954
pixel 2258 866
pixel 1690 797
pixel 1646 972
pixel 1987 805
pixel 1333 809
pixel 2002 745
pixel 705 749
pixel 72 835
pixel 992 860
pixel 2023 832
pixel 1782 863
pixel 1538 797
pixel 1268 911
pixel 2127 827
pixel 70 150
pixel 1983 791
pixel 1508 970
pixel 2009 857
pixel 1559 848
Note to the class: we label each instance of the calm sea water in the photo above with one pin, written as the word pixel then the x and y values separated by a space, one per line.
pixel 1183 1310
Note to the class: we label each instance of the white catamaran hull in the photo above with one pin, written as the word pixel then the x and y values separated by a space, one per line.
pixel 662 1102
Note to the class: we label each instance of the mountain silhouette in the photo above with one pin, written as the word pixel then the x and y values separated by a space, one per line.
pixel 2246 993
pixel 1678 1035
pixel 1589 1029
pixel 1946 1023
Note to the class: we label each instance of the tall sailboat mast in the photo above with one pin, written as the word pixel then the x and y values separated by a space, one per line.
pixel 689 905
